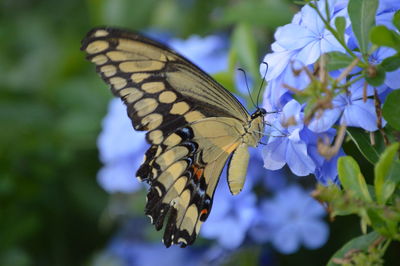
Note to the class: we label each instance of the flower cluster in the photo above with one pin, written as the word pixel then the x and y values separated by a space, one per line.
pixel 295 52
pixel 291 218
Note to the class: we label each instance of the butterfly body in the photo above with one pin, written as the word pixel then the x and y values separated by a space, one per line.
pixel 194 126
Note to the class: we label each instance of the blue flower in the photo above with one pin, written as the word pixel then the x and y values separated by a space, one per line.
pixel 231 216
pixel 325 169
pixel 289 149
pixel 128 248
pixel 351 108
pixel 392 79
pixel 209 53
pixel 388 6
pixel 121 150
pixel 258 174
pixel 304 40
pixel 297 46
pixel 290 219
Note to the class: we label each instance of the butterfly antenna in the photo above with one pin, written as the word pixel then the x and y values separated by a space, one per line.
pixel 247 86
pixel 262 81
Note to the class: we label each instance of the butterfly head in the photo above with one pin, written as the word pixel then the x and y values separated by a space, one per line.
pixel 256 127
pixel 260 112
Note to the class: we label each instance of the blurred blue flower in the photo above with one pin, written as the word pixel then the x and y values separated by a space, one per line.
pixel 285 145
pixel 257 174
pixel 128 248
pixel 290 219
pixel 209 53
pixel 121 150
pixel 137 253
pixel 231 216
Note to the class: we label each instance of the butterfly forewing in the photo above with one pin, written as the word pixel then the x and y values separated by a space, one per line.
pixel 193 125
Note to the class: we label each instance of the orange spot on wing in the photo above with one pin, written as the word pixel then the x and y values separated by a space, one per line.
pixel 197 171
pixel 203 211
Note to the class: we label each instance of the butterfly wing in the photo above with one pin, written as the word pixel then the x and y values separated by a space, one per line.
pixel 193 125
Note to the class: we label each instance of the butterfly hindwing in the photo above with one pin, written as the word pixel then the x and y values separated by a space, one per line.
pixel 183 177
pixel 193 125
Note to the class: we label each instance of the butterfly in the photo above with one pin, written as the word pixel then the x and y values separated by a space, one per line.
pixel 193 124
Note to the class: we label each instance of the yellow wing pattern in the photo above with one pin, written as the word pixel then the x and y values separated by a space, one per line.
pixel 193 124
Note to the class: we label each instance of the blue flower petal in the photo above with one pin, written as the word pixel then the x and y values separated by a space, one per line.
pixel 393 79
pixel 360 114
pixel 314 233
pixel 286 239
pixel 120 176
pixel 118 138
pixel 294 36
pixel 279 61
pixel 323 122
pixel 274 154
pixel 298 160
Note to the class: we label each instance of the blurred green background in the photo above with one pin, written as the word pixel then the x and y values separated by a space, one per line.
pixel 52 104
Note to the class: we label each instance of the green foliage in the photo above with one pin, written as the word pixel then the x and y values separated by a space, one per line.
pixel 362 16
pixel 357 252
pixel 391 109
pixel 387 174
pixel 382 36
pixel 244 46
pixel 363 143
pixel 376 208
pixel 351 178
pixel 337 60
pixel 391 63
pixel 340 24
pixel 396 20
pixel 377 77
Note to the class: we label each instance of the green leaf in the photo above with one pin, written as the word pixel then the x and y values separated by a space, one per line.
pixel 351 178
pixel 340 23
pixel 362 17
pixel 378 77
pixel 378 223
pixel 338 60
pixel 246 48
pixel 358 243
pixel 391 63
pixel 391 109
pixel 363 143
pixel 384 183
pixel 382 36
pixel 396 20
